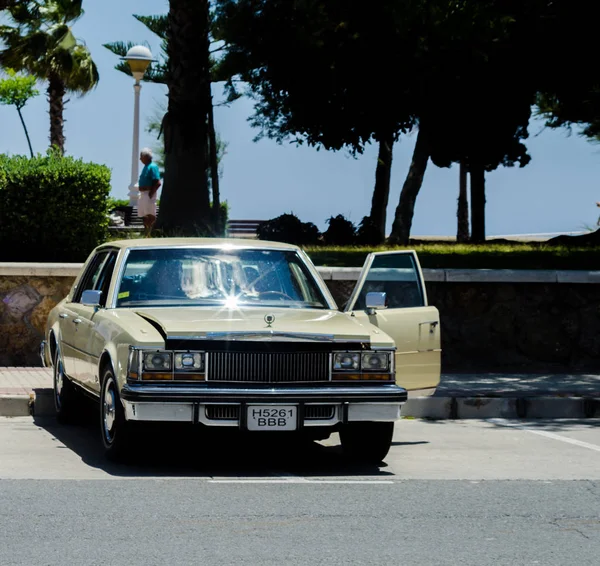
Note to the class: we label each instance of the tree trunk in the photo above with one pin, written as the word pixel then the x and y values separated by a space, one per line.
pixel 477 204
pixel 381 192
pixel 412 185
pixel 214 168
pixel 56 95
pixel 185 200
pixel 462 213
pixel 26 132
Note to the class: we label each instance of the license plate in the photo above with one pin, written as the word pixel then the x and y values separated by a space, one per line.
pixel 272 417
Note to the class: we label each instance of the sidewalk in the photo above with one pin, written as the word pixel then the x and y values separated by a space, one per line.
pixel 22 381
pixel 24 390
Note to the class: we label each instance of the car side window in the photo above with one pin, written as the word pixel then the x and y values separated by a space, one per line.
pixel 103 281
pixel 90 277
pixel 397 276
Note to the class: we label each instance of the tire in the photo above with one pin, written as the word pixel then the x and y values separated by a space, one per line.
pixel 367 442
pixel 66 396
pixel 115 430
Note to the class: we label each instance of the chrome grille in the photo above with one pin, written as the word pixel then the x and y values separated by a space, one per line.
pixel 268 367
pixel 222 412
pixel 319 412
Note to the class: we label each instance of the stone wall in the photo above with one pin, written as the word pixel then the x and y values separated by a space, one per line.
pixel 24 307
pixel 491 320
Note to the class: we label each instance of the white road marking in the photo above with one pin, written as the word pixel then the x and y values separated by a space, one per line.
pixel 305 481
pixel 291 477
pixel 527 428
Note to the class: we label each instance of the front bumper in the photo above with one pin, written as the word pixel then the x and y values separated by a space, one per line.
pixel 317 406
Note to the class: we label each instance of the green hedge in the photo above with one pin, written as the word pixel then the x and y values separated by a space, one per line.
pixel 534 255
pixel 52 208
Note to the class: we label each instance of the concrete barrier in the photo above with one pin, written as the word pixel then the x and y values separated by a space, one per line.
pixel 16 405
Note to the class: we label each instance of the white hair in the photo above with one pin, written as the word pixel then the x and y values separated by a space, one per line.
pixel 146 151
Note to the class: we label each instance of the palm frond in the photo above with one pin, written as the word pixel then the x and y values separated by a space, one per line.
pixel 62 62
pixel 21 52
pixel 155 73
pixel 61 11
pixel 123 67
pixel 84 74
pixel 158 25
pixel 62 36
pixel 24 13
pixel 119 48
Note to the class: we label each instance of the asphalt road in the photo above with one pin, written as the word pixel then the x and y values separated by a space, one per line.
pixel 450 492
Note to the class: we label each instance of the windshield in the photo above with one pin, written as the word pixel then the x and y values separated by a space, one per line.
pixel 205 277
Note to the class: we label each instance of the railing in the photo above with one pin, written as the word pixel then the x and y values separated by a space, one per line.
pixel 243 228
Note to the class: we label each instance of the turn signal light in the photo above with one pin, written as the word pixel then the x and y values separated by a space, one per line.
pixel 189 377
pixel 361 376
pixel 156 376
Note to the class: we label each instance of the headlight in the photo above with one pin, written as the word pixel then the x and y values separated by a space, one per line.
pixel 346 361
pixel 189 361
pixel 157 361
pixel 366 365
pixel 375 361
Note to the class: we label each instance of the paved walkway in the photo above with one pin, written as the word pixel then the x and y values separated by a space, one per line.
pixel 22 381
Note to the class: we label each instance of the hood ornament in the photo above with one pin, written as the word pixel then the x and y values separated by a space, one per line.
pixel 269 319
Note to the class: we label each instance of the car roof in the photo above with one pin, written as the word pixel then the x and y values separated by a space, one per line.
pixel 241 243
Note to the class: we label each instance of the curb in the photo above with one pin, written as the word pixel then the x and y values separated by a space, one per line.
pixel 542 407
pixel 16 405
pixel 41 403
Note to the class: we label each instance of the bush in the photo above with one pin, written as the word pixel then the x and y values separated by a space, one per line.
pixel 290 229
pixel 368 233
pixel 341 232
pixel 117 203
pixel 52 208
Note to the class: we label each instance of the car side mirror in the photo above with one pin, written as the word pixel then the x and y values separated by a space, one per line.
pixel 91 298
pixel 376 301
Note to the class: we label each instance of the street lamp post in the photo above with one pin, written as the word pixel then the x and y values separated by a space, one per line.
pixel 138 58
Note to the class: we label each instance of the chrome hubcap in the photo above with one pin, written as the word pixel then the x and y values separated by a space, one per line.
pixel 108 410
pixel 58 382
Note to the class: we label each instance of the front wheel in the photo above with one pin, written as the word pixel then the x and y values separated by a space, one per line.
pixel 65 394
pixel 116 431
pixel 367 442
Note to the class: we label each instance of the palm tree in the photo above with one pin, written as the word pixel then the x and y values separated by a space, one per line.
pixel 185 125
pixel 41 42
pixel 158 73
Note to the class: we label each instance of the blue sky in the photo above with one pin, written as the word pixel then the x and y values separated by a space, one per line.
pixel 556 192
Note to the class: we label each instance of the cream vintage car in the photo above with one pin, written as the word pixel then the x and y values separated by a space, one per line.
pixel 245 334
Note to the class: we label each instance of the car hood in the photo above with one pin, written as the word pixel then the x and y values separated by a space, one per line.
pixel 251 324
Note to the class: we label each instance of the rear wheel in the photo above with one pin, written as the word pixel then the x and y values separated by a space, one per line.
pixel 116 431
pixel 367 442
pixel 65 394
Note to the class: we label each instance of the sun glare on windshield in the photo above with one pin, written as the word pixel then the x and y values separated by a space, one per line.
pixel 227 278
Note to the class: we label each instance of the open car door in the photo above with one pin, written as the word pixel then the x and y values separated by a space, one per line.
pixel 403 314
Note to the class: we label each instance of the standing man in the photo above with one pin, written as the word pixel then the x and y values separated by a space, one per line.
pixel 148 184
